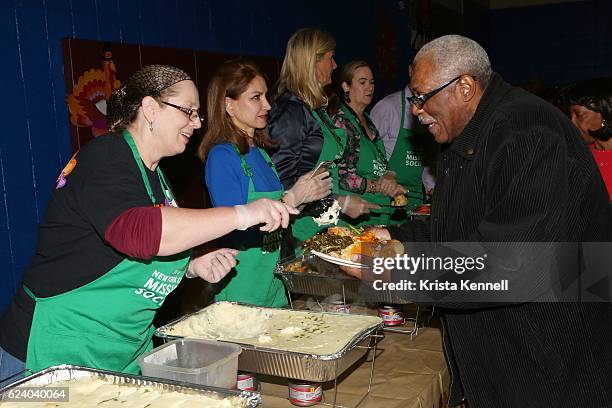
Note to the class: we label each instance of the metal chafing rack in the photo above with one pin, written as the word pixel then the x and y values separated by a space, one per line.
pixel 321 279
pixel 324 279
pixel 52 375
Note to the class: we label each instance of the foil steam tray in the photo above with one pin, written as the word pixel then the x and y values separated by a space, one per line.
pixel 290 364
pixel 244 399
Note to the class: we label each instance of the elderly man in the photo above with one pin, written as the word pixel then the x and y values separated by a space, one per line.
pixel 512 169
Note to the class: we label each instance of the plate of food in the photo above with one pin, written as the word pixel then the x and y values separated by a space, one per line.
pixel 340 245
pixel 338 261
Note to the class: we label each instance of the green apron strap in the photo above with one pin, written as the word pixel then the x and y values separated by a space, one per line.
pixel 143 173
pixel 30 293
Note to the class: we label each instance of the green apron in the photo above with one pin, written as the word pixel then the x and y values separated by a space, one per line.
pixel 406 162
pixel 372 165
pixel 107 323
pixel 333 147
pixel 253 280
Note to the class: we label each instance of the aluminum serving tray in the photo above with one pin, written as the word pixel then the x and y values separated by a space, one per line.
pixel 324 279
pixel 295 365
pixel 70 372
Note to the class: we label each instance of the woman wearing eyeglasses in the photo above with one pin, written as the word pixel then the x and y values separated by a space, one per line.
pixel 304 132
pixel 114 243
pixel 364 171
pixel 239 171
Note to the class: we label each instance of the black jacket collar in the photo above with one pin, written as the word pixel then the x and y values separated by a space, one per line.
pixel 467 142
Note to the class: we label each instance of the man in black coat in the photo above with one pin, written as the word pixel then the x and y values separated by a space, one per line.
pixel 513 169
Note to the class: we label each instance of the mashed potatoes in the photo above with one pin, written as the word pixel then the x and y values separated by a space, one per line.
pixel 287 330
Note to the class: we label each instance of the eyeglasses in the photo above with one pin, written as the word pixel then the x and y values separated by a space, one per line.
pixel 420 100
pixel 192 113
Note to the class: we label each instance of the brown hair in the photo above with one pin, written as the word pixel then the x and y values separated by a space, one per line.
pixel 336 94
pixel 348 71
pixel 231 80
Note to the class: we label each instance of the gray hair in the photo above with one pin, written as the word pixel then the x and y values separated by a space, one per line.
pixel 455 55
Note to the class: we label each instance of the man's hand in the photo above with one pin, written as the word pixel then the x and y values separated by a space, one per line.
pixel 213 266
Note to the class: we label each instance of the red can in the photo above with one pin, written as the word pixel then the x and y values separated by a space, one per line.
pixel 305 394
pixel 391 316
pixel 337 306
pixel 246 382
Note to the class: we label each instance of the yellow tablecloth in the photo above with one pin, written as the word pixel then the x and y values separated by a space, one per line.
pixel 407 374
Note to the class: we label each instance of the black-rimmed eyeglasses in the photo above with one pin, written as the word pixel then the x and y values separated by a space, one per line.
pixel 192 113
pixel 420 100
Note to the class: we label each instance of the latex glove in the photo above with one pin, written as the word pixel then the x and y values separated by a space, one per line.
pixel 388 186
pixel 213 266
pixel 308 188
pixel 273 214
pixel 355 206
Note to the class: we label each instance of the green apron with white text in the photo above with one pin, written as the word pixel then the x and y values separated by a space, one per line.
pixel 333 147
pixel 253 281
pixel 108 323
pixel 406 162
pixel 372 165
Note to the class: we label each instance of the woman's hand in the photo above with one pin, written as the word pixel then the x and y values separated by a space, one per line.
pixel 273 214
pixel 213 266
pixel 388 186
pixel 355 206
pixel 309 188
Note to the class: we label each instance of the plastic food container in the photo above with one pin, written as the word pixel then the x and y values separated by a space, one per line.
pixel 194 361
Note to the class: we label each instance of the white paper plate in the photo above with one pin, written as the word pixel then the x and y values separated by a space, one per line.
pixel 338 261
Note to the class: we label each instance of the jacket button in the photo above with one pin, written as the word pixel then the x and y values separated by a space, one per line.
pixel 470 151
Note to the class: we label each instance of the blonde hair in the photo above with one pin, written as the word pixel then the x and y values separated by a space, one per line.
pixel 298 73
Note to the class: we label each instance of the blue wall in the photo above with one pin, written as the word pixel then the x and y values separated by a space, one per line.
pixel 558 43
pixel 35 143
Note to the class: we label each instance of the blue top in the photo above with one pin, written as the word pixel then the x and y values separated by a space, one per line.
pixel 226 181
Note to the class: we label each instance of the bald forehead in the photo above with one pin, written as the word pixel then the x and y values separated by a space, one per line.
pixel 425 75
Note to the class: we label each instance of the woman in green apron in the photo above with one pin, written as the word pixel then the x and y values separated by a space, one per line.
pixel 238 171
pixel 299 124
pixel 114 243
pixel 364 169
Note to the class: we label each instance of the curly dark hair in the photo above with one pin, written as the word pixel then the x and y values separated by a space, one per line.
pixel 596 95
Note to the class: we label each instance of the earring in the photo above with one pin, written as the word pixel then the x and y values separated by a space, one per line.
pixel 603 123
pixel 347 97
pixel 151 126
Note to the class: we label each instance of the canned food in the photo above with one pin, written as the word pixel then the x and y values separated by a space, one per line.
pixel 337 306
pixel 391 316
pixel 246 382
pixel 305 394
